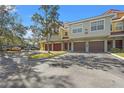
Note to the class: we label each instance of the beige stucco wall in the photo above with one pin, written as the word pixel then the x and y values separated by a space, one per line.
pixel 87 25
pixel 55 37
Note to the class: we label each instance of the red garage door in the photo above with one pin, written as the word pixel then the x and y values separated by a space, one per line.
pixel 79 46
pixel 50 47
pixel 57 47
pixel 96 46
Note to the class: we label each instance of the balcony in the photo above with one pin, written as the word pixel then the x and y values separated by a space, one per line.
pixel 117 33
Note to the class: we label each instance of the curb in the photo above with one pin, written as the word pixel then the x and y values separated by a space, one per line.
pixel 117 56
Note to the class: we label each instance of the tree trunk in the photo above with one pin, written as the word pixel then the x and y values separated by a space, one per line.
pixel 48 39
pixel 48 48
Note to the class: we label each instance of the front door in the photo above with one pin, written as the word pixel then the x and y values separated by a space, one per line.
pixel 65 46
pixel 109 44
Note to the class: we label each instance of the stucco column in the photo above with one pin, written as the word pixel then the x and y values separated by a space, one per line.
pixel 62 46
pixel 72 46
pixel 113 45
pixel 87 46
pixel 105 46
pixel 52 46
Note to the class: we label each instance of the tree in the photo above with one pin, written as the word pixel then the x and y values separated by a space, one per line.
pixel 11 28
pixel 36 36
pixel 48 21
pixel 5 17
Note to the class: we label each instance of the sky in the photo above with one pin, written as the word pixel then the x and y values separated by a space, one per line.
pixel 67 12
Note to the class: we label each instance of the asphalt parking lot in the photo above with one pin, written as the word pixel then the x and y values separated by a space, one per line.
pixel 99 70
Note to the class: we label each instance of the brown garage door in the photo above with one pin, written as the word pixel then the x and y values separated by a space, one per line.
pixel 118 44
pixel 57 47
pixel 96 46
pixel 79 46
pixel 50 47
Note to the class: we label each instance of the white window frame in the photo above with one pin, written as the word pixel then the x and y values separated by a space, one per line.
pixel 119 26
pixel 77 30
pixel 97 21
pixel 78 26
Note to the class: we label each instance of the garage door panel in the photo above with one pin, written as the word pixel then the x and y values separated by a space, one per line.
pixel 79 46
pixel 57 47
pixel 118 44
pixel 96 46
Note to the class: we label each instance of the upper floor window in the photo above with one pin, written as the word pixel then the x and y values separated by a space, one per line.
pixel 77 30
pixel 119 26
pixel 97 25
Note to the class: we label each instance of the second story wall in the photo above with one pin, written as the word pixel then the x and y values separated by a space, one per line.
pixel 118 26
pixel 91 28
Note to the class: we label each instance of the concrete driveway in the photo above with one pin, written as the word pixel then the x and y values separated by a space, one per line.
pixel 65 71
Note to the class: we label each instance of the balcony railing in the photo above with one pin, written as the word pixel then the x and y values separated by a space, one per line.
pixel 117 33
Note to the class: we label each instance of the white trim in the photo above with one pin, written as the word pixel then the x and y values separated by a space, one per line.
pixel 72 46
pixel 113 44
pixel 96 40
pixel 117 56
pixel 89 19
pixel 89 40
pixel 79 41
pixel 122 18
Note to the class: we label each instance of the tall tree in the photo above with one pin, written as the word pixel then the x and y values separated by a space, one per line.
pixel 36 36
pixel 48 21
pixel 11 28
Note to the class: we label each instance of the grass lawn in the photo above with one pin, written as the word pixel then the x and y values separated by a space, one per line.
pixel 47 55
pixel 120 54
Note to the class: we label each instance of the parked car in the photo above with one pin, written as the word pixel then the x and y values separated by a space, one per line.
pixel 16 48
pixel 8 48
pixel 34 48
pixel 3 48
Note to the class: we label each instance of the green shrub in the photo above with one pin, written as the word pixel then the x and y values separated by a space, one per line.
pixel 115 50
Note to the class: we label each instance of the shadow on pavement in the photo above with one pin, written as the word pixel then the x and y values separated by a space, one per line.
pixel 19 75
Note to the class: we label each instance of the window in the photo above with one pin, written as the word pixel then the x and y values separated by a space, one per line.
pixel 119 26
pixel 98 25
pixel 77 30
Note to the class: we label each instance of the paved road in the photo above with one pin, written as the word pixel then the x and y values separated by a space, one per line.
pixel 69 70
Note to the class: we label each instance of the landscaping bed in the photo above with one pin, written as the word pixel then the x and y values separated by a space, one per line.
pixel 43 55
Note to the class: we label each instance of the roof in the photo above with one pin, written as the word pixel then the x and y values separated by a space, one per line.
pixel 91 18
pixel 110 12
pixel 113 11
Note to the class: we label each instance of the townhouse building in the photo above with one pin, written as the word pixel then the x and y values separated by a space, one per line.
pixel 96 34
